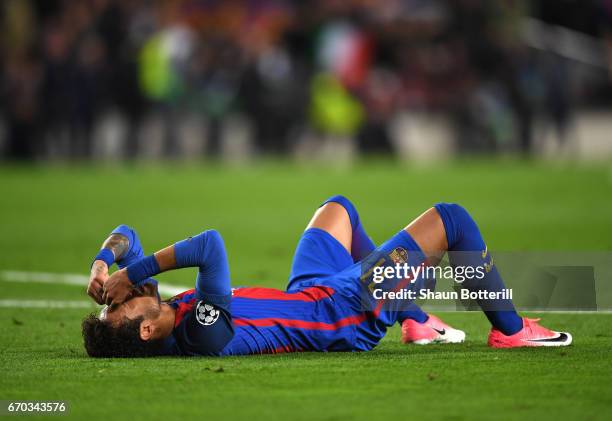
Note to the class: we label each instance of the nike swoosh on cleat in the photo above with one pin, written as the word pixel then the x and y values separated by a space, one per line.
pixel 561 338
pixel 441 332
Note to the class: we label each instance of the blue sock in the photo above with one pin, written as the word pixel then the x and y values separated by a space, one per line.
pixel 467 248
pixel 362 245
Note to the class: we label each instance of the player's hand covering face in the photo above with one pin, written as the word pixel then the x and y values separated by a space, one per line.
pixel 117 289
pixel 97 279
pixel 116 311
pixel 147 307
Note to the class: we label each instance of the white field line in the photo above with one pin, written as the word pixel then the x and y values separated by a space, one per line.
pixel 68 279
pixel 91 305
pixel 47 304
pixel 450 310
pixel 82 280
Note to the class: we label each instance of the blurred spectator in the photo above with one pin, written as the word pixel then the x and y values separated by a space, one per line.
pixel 330 68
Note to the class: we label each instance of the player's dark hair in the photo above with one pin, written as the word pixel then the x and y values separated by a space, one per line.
pixel 102 339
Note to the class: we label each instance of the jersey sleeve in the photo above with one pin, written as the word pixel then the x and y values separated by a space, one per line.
pixel 208 328
pixel 205 331
pixel 207 252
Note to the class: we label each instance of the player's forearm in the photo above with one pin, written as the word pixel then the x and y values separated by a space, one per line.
pixel 113 249
pixel 166 258
pixel 118 244
pixel 161 261
pixel 205 251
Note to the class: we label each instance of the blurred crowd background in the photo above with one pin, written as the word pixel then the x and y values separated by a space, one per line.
pixel 332 78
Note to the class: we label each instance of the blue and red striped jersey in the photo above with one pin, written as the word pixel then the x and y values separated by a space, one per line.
pixel 269 321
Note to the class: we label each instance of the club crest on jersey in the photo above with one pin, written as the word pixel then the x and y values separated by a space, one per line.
pixel 206 314
pixel 399 256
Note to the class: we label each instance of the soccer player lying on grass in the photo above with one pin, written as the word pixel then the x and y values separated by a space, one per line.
pixel 328 304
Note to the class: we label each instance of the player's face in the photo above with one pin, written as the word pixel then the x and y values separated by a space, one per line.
pixel 147 307
pixel 144 302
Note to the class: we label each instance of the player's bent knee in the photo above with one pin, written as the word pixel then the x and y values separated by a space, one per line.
pixel 457 220
pixel 346 204
pixel 334 217
pixel 452 210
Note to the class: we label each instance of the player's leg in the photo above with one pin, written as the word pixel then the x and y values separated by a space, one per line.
pixel 449 227
pixel 334 219
pixel 333 240
pixel 339 217
pixel 421 328
pixel 461 235
pixel 324 248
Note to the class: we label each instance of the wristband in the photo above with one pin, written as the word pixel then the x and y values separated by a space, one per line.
pixel 143 269
pixel 106 256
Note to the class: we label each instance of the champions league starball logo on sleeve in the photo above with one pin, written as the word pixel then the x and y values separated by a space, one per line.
pixel 206 314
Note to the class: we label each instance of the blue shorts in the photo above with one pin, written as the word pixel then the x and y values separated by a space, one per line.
pixel 320 259
pixel 318 255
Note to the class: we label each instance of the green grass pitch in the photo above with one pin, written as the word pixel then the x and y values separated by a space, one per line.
pixel 53 219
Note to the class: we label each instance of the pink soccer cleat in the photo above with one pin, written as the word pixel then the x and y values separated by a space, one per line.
pixel 433 330
pixel 532 334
